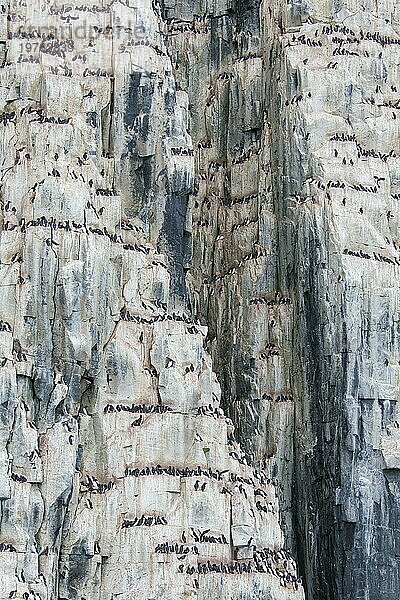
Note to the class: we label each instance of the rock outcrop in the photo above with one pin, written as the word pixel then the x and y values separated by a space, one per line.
pixel 296 266
pixel 200 300
pixel 120 474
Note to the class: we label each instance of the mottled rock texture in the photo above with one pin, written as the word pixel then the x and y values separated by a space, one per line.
pixel 199 320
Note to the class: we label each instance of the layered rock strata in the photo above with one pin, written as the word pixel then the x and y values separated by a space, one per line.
pixel 190 188
pixel 120 475
pixel 296 255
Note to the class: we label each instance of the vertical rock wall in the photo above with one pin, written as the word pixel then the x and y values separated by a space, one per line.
pixel 120 476
pixel 295 225
pixel 339 192
pixel 190 189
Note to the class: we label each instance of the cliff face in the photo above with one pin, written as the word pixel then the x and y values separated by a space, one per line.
pixel 199 321
pixel 120 475
pixel 297 263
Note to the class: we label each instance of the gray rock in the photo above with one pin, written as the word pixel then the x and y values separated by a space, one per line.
pixel 199 341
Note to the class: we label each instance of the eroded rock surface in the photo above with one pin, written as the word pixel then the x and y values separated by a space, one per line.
pixel 296 255
pixel 120 475
pixel 200 300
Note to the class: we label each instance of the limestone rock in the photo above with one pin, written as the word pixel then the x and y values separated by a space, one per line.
pixel 199 341
pixel 120 475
